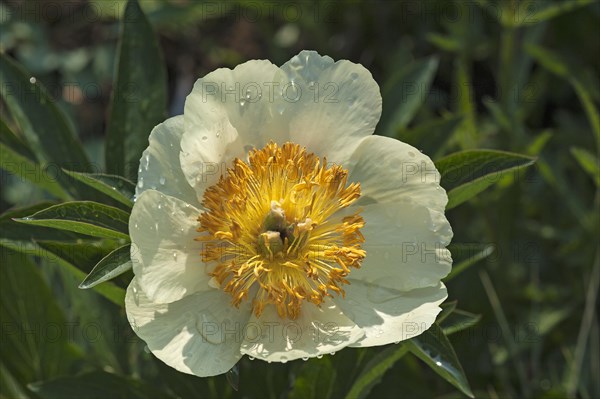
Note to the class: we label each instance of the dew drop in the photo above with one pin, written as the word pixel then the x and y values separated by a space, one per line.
pixel 353 76
pixel 242 102
pixel 32 80
pixel 411 154
pixel 305 358
pixel 269 361
pixel 162 180
pixel 281 109
pixel 332 353
pixel 351 101
pixel 159 206
pixel 146 161
pixel 319 356
pixel 396 342
pixel 135 225
pixel 218 134
pixel 250 358
pixel 283 359
pixel 156 226
pixel 140 183
pixel 174 255
pixel 438 363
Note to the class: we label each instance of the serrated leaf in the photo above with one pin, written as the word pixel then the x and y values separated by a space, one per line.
pixel 139 99
pixel 588 162
pixel 467 173
pixel 112 265
pixel 459 320
pixel 84 217
pixel 43 124
pixel 437 352
pixel 375 369
pixel 404 93
pixel 94 385
pixel 466 255
pixel 115 187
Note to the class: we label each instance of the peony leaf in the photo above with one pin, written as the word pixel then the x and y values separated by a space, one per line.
pixel 29 313
pixel 437 352
pixel 98 384
pixel 466 255
pixel 430 137
pixel 404 93
pixel 588 162
pixel 458 320
pixel 140 94
pixel 115 187
pixel 44 125
pixel 77 259
pixel 374 370
pixel 112 265
pixel 467 173
pixel 315 380
pixel 84 217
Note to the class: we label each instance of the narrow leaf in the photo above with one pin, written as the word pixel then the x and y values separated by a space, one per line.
pixel 315 380
pixel 375 369
pixel 459 320
pixel 588 162
pixel 467 173
pixel 404 93
pixel 430 137
pixel 115 187
pixel 466 255
pixel 84 217
pixel 44 125
pixel 140 94
pixel 437 352
pixel 112 265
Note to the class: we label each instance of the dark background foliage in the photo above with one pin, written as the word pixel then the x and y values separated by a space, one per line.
pixel 519 76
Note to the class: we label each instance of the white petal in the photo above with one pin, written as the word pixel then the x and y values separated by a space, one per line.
pixel 227 113
pixel 405 245
pixel 390 171
pixel 199 334
pixel 166 258
pixel 388 315
pixel 160 168
pixel 317 331
pixel 330 105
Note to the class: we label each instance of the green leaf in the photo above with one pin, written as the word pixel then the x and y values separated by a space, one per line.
pixel 44 125
pixel 404 93
pixel 530 12
pixel 315 380
pixel 84 217
pixel 25 169
pixel 375 369
pixel 466 255
pixel 115 187
pixel 459 320
pixel 140 95
pixel 447 309
pixel 430 137
pixel 588 162
pixel 467 173
pixel 35 341
pixel 112 265
pixel 78 259
pixel 95 385
pixel 437 352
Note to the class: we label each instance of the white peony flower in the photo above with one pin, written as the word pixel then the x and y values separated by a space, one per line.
pixel 270 222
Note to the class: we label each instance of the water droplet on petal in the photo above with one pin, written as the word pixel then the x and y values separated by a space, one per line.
pixel 411 154
pixel 174 255
pixel 283 359
pixel 242 102
pixel 353 76
pixel 162 180
pixel 332 353
pixel 305 358
pixel 250 358
pixel 32 80
pixel 319 356
pixel 140 183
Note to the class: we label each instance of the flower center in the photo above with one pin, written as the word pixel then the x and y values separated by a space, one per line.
pixel 274 229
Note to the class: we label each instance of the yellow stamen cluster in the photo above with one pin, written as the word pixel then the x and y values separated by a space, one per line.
pixel 273 230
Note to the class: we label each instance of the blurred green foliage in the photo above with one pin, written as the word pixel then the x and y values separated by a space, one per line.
pixel 518 76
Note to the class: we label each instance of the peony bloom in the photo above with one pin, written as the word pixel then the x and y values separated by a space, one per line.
pixel 270 222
